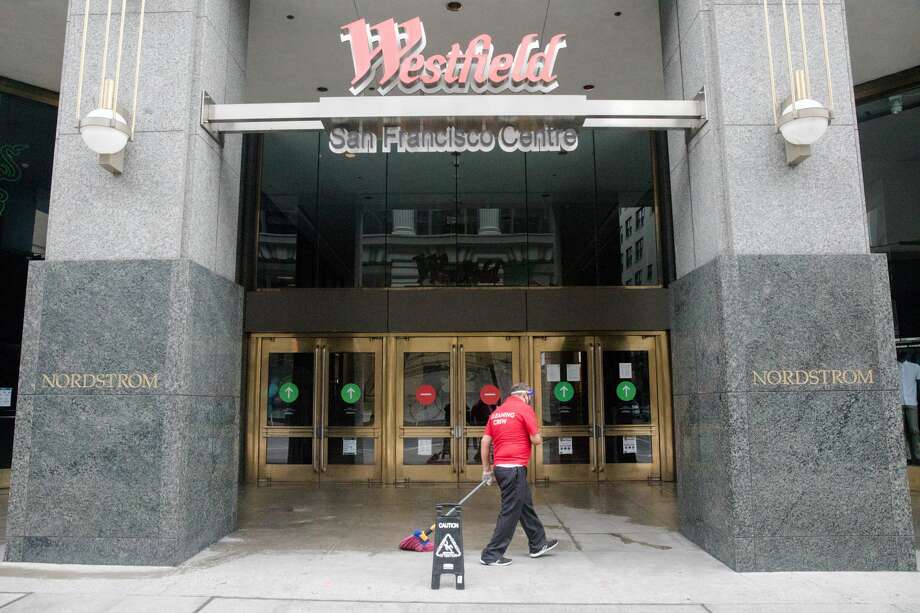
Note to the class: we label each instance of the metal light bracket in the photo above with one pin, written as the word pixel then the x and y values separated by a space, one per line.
pixel 207 106
pixel 796 154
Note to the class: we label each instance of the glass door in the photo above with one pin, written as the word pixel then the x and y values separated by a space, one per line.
pixel 489 367
pixel 628 408
pixel 287 409
pixel 351 397
pixel 426 402
pixel 446 389
pixel 320 409
pixel 565 404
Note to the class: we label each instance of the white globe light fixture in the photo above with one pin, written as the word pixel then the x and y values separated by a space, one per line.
pixel 105 130
pixel 800 119
pixel 804 122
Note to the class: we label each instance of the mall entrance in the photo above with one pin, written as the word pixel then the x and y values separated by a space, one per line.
pixel 412 408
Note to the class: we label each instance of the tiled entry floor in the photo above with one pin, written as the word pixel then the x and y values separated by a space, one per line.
pixel 329 548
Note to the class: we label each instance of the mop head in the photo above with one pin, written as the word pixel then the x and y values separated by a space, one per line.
pixel 417 541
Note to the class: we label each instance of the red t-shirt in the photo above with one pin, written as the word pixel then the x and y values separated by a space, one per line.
pixel 511 426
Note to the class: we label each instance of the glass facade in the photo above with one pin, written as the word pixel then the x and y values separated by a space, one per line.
pixel 889 134
pixel 27 130
pixel 582 218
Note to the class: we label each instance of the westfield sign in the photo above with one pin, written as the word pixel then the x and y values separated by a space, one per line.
pixel 390 54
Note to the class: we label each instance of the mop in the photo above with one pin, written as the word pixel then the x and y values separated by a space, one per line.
pixel 420 540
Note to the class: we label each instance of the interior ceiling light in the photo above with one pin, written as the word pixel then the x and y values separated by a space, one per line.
pixel 454 7
pixel 618 13
pixel 588 87
pixel 290 17
pixel 322 88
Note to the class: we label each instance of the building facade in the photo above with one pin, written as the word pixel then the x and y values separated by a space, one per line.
pixel 319 263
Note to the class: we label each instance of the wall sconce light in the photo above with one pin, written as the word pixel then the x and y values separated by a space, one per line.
pixel 800 119
pixel 105 130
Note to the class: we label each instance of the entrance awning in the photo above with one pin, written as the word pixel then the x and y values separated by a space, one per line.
pixel 370 113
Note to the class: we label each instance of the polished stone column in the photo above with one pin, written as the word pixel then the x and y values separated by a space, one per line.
pixel 127 439
pixel 782 464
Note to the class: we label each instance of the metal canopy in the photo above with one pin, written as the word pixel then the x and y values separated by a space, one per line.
pixel 371 113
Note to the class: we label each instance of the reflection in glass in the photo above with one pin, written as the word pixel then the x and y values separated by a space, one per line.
pixel 423 374
pixel 470 219
pixel 422 451
pixel 557 367
pixel 295 369
pixel 350 451
pixel 559 451
pixel 485 368
pixel 474 451
pixel 288 450
pixel 628 449
pixel 626 412
pixel 351 377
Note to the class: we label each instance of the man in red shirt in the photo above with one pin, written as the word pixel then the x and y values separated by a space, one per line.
pixel 512 429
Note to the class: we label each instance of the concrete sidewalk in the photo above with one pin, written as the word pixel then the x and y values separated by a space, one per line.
pixel 333 548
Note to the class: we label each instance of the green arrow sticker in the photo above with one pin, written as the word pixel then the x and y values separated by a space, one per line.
pixel 351 393
pixel 626 390
pixel 288 392
pixel 564 391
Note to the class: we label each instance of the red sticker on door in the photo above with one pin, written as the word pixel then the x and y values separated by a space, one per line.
pixel 490 395
pixel 425 394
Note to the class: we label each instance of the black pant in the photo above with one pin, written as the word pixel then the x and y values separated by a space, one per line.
pixel 517 505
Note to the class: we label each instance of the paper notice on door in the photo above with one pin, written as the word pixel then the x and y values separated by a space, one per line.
pixel 565 445
pixel 629 444
pixel 573 372
pixel 6 396
pixel 625 370
pixel 349 446
pixel 424 446
pixel 553 372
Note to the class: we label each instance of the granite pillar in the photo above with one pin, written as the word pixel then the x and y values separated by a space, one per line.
pixel 785 399
pixel 126 447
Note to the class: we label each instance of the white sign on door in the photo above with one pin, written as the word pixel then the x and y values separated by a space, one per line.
pixel 6 396
pixel 625 370
pixel 572 372
pixel 553 372
pixel 424 446
pixel 349 446
pixel 629 444
pixel 565 445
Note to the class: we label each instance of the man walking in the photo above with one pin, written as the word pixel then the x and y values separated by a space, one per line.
pixel 512 428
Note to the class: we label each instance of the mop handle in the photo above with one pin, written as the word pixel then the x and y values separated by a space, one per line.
pixel 465 498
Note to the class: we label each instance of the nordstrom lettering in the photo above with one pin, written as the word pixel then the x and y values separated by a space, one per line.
pixel 815 376
pixel 391 52
pixel 134 380
pixel 397 139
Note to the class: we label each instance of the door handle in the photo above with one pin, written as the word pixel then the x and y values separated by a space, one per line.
pixel 324 453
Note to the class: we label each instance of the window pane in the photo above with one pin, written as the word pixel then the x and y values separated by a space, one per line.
pixel 426 381
pixel 637 408
pixel 352 394
pixel 353 451
pixel 422 218
pixel 560 211
pixel 578 445
pixel 564 375
pixel 351 223
pixel 485 370
pixel 492 219
pixel 290 389
pixel 628 449
pixel 421 451
pixel 288 450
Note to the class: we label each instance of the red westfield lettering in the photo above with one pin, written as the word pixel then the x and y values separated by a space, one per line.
pixel 391 53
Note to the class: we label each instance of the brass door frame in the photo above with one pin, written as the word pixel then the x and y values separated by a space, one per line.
pixel 617 472
pixel 475 344
pixel 345 472
pixel 389 408
pixel 426 473
pixel 284 472
pixel 565 472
